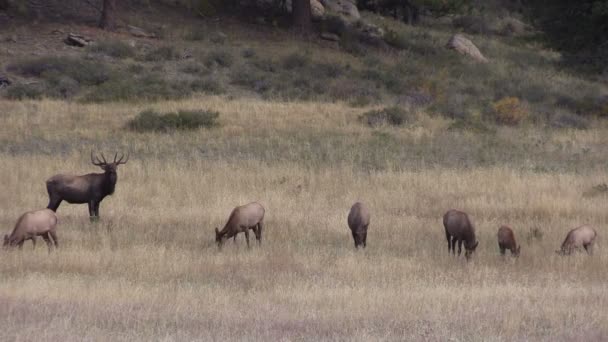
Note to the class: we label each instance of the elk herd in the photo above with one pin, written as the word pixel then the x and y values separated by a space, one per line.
pixel 92 188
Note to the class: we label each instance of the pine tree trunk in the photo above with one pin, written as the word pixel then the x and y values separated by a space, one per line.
pixel 108 15
pixel 301 14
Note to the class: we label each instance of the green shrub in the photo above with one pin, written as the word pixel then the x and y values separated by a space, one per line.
pixel 193 68
pixel 24 91
pixel 568 120
pixel 83 71
pixel 113 48
pixel 151 121
pixel 196 33
pixel 394 116
pixel 395 39
pixel 220 58
pixel 295 60
pixel 207 85
pixel 248 53
pixel 145 87
pixel 163 53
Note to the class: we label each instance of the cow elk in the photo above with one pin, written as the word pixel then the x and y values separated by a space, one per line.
pixel 583 236
pixel 506 240
pixel 358 221
pixel 91 188
pixel 243 218
pixel 458 228
pixel 32 224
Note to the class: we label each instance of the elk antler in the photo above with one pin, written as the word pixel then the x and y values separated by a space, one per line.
pixel 104 158
pixel 96 161
pixel 120 160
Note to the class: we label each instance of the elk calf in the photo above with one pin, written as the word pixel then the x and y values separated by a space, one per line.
pixel 243 218
pixel 358 221
pixel 458 228
pixel 91 188
pixel 506 240
pixel 583 236
pixel 31 224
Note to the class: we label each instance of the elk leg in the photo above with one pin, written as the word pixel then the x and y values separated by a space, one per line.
pixel 454 245
pixel 33 242
pixel 502 249
pixel 447 235
pixel 459 246
pixel 54 236
pixel 47 239
pixel 20 244
pixel 365 238
pixel 258 234
pixel 96 209
pixel 247 237
pixel 355 238
pixel 589 248
pixel 91 210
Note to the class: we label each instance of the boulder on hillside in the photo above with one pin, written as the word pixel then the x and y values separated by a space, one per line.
pixel 464 46
pixel 344 8
pixel 316 8
pixel 78 40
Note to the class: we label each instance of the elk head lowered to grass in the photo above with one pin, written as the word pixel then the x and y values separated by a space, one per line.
pixel 91 188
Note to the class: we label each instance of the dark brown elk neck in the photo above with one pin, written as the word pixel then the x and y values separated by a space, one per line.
pixel 106 182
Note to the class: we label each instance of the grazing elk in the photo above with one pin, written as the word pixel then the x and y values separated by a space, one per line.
pixel 458 228
pixel 243 218
pixel 31 224
pixel 90 188
pixel 583 236
pixel 358 221
pixel 506 240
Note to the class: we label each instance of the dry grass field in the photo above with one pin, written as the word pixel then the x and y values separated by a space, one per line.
pixel 149 269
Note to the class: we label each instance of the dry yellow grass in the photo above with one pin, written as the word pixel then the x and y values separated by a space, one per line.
pixel 149 270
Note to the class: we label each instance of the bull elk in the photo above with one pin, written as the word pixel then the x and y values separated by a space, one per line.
pixel 91 188
pixel 32 224
pixel 459 228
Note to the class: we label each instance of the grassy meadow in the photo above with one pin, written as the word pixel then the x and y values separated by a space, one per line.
pixel 149 269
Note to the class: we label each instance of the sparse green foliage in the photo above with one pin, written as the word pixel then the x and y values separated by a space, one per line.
pixel 395 39
pixel 151 121
pixel 162 53
pixel 220 58
pixel 393 116
pixel 86 72
pixel 113 48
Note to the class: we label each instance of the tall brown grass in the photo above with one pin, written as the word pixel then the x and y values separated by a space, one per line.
pixel 149 270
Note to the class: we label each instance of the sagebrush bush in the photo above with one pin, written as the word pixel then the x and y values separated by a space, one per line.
pixel 162 53
pixel 568 120
pixel 207 85
pixel 83 71
pixel 510 111
pixel 113 48
pixel 394 116
pixel 145 87
pixel 220 58
pixel 24 91
pixel 151 121
pixel 295 60
pixel 395 39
